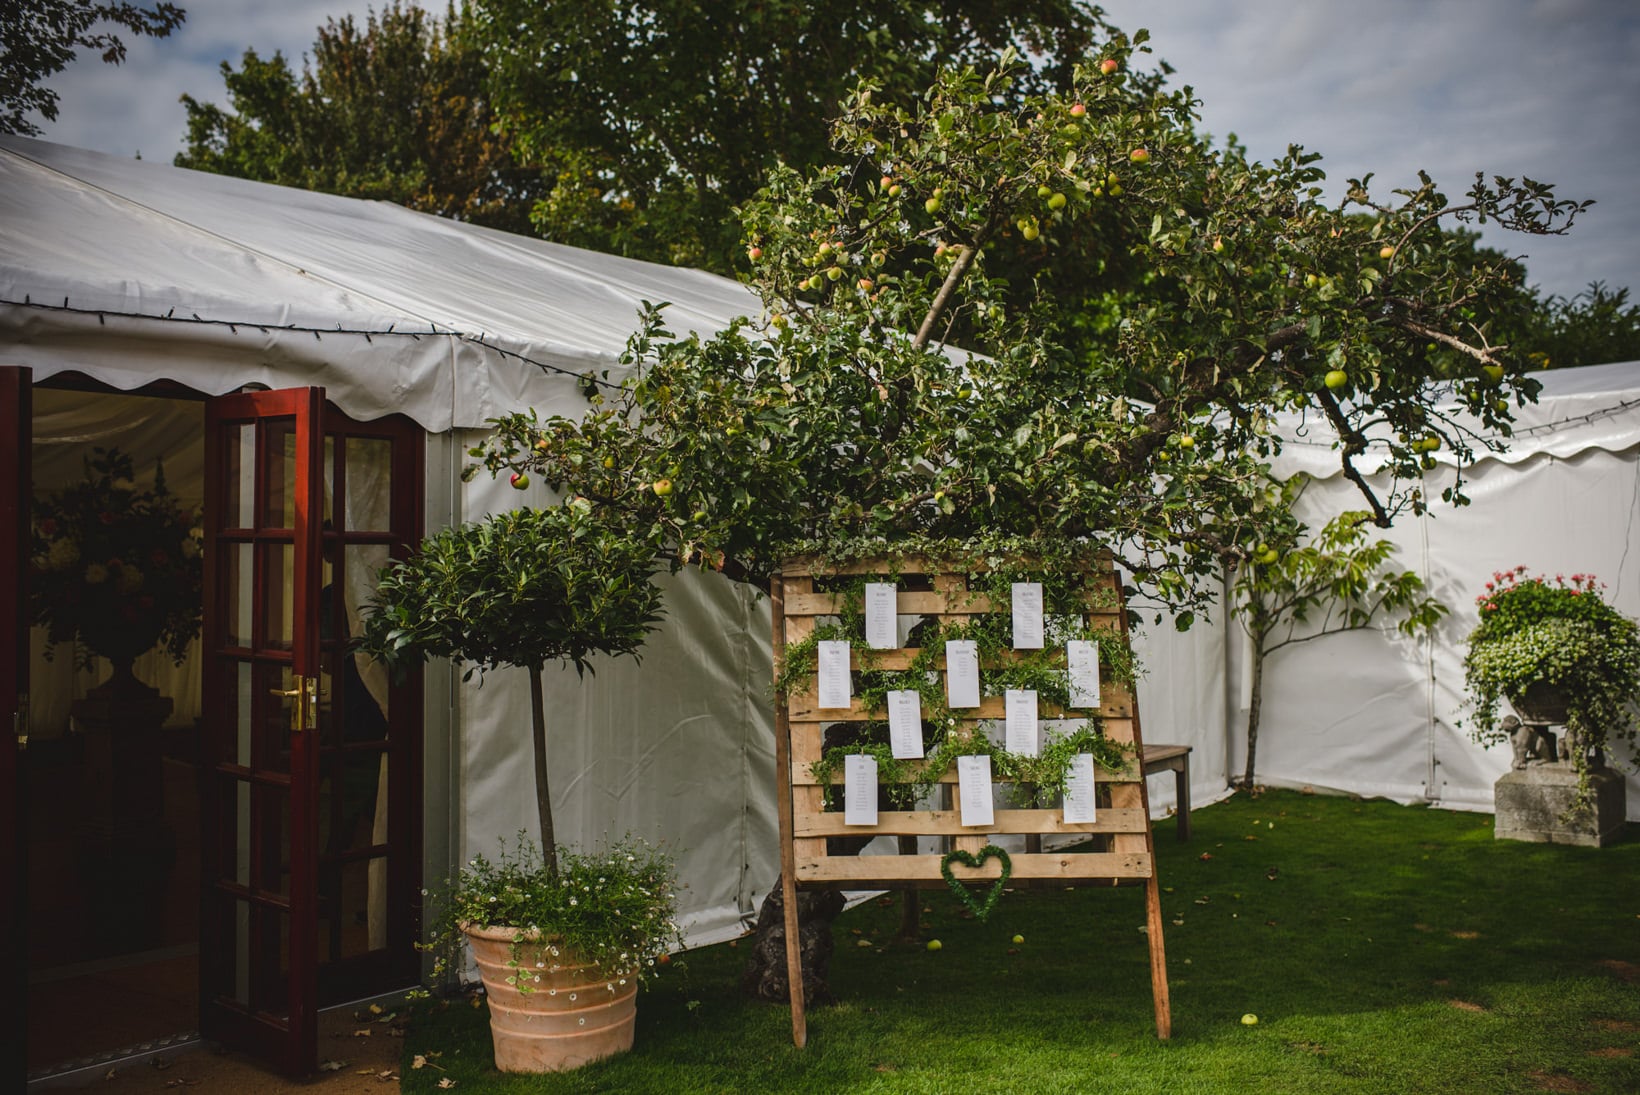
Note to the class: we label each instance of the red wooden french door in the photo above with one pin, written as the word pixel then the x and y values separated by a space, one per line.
pixel 259 749
pixel 311 758
pixel 16 429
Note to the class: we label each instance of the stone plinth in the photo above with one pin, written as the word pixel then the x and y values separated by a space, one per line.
pixel 1531 804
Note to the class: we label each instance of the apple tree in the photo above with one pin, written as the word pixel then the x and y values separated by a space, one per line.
pixel 897 389
pixel 1335 581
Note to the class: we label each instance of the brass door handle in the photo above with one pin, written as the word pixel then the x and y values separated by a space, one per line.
pixel 304 713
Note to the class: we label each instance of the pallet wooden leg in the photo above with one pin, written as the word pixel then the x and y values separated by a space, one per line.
pixel 794 961
pixel 1158 958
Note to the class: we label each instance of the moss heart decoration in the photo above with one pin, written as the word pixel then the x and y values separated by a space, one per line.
pixel 981 909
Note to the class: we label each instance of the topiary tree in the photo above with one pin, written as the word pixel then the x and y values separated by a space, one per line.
pixel 1336 581
pixel 522 588
pixel 846 414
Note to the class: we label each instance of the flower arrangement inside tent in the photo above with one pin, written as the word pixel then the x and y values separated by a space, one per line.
pixel 115 568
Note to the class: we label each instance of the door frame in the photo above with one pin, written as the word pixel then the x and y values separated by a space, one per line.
pixel 16 488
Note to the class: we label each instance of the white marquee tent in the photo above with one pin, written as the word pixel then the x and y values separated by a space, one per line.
pixel 130 272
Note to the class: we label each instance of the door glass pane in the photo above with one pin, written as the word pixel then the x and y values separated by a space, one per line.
pixel 363 789
pixel 329 448
pixel 279 468
pixel 237 576
pixel 240 862
pixel 369 484
pixel 361 893
pixel 237 463
pixel 368 682
pixel 270 747
pixel 278 595
pixel 244 717
pixel 272 819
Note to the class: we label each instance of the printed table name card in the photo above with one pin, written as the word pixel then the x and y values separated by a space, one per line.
pixel 1082 659
pixel 836 689
pixel 859 789
pixel 905 724
pixel 974 790
pixel 1027 615
pixel 962 672
pixel 1079 791
pixel 1020 728
pixel 882 619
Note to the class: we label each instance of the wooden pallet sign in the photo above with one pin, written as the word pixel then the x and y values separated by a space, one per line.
pixel 872 605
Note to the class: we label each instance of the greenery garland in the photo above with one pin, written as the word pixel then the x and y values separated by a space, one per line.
pixel 981 909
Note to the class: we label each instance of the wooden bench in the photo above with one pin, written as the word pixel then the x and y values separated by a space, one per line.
pixel 1175 759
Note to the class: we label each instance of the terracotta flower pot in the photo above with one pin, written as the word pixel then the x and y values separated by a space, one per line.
pixel 568 1014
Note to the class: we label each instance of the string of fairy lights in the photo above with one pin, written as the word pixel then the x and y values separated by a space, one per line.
pixel 586 380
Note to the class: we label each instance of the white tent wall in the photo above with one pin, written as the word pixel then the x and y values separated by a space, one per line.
pixel 1376 713
pixel 1182 701
pixel 677 748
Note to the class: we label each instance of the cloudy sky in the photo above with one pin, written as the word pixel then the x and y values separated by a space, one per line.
pixel 1549 89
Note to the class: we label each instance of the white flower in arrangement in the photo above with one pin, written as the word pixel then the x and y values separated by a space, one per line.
pixel 130 579
pixel 190 549
pixel 63 554
pixel 573 902
pixel 96 574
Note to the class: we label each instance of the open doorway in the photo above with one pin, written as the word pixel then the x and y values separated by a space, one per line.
pixel 111 796
pixel 122 790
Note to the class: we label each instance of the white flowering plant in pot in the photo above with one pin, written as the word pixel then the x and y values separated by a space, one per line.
pixel 1557 652
pixel 612 908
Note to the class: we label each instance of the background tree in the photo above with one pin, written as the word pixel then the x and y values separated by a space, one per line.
pixel 844 415
pixel 655 120
pixel 38 39
pixel 395 110
pixel 1336 581
pixel 1593 327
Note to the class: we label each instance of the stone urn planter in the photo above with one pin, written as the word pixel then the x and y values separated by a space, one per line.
pixel 1543 704
pixel 550 1011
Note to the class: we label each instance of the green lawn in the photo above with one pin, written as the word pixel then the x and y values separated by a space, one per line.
pixel 1383 948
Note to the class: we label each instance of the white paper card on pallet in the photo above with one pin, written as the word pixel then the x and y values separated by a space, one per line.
pixel 1082 659
pixel 1020 728
pixel 905 736
pixel 974 790
pixel 1079 791
pixel 962 672
pixel 1027 615
pixel 882 618
pixel 836 690
pixel 859 789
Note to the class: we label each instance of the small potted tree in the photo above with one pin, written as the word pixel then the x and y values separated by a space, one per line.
pixel 1561 656
pixel 561 940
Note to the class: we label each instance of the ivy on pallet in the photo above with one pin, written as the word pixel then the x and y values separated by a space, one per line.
pixel 957 596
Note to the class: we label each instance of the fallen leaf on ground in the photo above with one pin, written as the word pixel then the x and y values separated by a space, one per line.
pixel 446 1083
pixel 1466 935
pixel 1465 1005
pixel 332 1066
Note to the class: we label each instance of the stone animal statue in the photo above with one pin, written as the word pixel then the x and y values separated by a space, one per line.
pixel 765 976
pixel 1532 744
